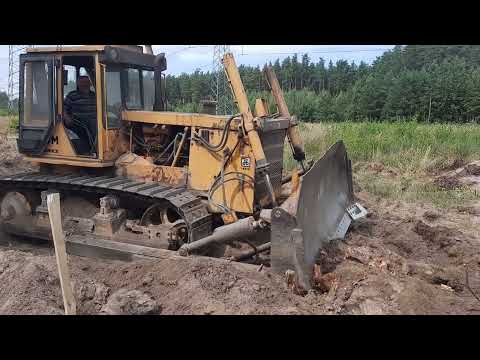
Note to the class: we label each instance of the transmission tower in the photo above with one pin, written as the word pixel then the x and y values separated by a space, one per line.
pixel 14 52
pixel 221 91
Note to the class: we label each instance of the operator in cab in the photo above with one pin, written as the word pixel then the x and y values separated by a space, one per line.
pixel 80 115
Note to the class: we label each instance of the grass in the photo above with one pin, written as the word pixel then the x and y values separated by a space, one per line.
pixel 13 123
pixel 410 152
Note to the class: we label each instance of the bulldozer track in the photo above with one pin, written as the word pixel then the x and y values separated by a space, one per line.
pixel 189 205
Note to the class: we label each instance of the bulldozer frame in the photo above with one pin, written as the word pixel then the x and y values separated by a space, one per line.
pixel 156 179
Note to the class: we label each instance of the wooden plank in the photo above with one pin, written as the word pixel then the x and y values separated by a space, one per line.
pixel 53 203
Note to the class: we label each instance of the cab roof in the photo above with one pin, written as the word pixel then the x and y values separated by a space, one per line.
pixel 83 48
pixel 126 55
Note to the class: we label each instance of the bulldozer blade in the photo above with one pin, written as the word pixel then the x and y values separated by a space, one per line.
pixel 322 210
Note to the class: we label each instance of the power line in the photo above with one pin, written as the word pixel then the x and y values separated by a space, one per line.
pixel 314 52
pixel 178 51
pixel 186 48
pixel 221 92
pixel 332 51
pixel 329 51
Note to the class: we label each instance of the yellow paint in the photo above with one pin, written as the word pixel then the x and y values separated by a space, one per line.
pixel 169 175
pixel 60 144
pixel 180 119
pixel 80 48
pixel 205 165
pixel 295 180
pixel 100 112
pixel 50 49
pixel 81 162
pixel 241 99
pixel 115 146
pixel 139 168
pixel 261 107
pixel 60 149
pixel 229 218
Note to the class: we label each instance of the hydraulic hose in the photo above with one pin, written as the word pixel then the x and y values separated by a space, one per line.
pixel 223 140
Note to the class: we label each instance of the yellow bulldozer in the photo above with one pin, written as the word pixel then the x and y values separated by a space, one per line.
pixel 134 177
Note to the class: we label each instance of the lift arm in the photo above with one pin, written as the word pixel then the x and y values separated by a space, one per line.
pixel 241 99
pixel 233 76
pixel 293 134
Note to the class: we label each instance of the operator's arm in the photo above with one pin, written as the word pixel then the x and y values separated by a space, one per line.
pixel 67 112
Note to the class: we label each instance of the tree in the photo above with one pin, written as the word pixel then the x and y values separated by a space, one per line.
pixel 3 100
pixel 472 100
pixel 434 83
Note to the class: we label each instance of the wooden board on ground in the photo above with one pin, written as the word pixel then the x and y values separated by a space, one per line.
pixel 54 211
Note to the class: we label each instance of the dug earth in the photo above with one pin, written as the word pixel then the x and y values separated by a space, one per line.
pixel 402 259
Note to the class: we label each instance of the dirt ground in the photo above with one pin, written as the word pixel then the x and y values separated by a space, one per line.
pixel 401 259
pixel 3 124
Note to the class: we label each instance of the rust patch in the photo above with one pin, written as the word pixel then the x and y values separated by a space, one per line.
pixel 169 175
pixel 139 168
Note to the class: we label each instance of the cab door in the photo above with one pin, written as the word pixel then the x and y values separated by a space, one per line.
pixel 36 103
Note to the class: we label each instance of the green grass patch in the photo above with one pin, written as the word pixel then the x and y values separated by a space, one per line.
pixel 414 189
pixel 13 124
pixel 412 152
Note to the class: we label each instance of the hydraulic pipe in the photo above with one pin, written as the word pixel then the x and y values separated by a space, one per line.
pixel 177 155
pixel 250 253
pixel 240 229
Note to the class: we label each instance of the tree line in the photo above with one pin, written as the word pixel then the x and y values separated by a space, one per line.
pixel 422 82
pixel 3 100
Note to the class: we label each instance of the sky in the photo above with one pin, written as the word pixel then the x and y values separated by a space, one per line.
pixel 188 58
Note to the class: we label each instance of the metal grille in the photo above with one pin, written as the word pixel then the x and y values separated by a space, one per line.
pixel 14 52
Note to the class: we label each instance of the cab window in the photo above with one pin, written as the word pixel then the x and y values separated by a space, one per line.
pixel 148 90
pixel 114 98
pixel 71 82
pixel 37 108
pixel 134 95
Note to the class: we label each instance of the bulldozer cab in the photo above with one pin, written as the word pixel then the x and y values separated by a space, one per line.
pixel 61 118
pixel 80 104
